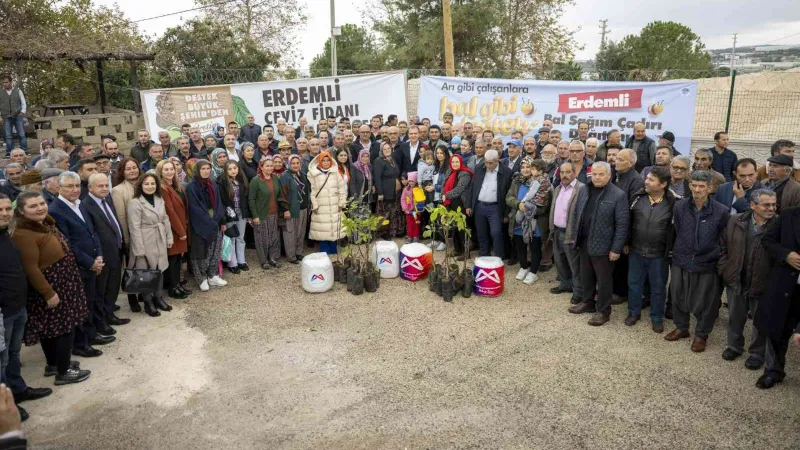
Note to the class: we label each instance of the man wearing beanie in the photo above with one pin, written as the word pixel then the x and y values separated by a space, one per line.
pixel 668 140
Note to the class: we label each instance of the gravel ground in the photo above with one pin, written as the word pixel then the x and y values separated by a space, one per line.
pixel 262 364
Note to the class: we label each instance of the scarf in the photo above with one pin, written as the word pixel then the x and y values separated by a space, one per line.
pixel 209 190
pixel 278 169
pixel 453 178
pixel 319 159
pixel 366 169
pixel 214 167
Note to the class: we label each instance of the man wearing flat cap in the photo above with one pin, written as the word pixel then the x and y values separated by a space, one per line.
pixel 786 188
pixel 50 184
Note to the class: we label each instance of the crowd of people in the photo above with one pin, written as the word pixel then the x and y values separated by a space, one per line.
pixel 629 222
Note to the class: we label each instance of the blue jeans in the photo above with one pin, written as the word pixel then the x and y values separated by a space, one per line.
pixel 18 122
pixel 656 271
pixel 328 247
pixel 488 223
pixel 15 329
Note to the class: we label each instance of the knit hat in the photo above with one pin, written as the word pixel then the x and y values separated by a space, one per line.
pixel 30 176
pixel 667 135
pixel 412 176
pixel 455 140
pixel 50 173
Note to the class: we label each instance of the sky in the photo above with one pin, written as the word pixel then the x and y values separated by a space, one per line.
pixel 715 21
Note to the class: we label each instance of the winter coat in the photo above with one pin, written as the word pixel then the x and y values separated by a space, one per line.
pixel 651 232
pixel 698 234
pixel 178 220
pixel 725 196
pixel 121 194
pixel 608 231
pixel 731 260
pixel 724 163
pixel 328 198
pixel 204 225
pixel 359 188
pixel 461 189
pixel 630 182
pixel 542 211
pixel 645 155
pixel 290 198
pixel 150 233
pixel 782 238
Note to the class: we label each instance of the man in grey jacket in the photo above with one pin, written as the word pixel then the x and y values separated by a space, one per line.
pixel 600 227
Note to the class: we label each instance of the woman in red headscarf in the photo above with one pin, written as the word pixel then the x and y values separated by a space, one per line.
pixel 454 195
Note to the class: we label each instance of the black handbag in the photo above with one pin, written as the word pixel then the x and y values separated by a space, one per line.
pixel 231 230
pixel 141 281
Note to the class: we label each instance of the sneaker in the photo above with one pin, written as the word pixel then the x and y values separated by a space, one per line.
pixel 522 273
pixel 51 371
pixel 204 286
pixel 72 376
pixel 530 278
pixel 441 247
pixel 217 281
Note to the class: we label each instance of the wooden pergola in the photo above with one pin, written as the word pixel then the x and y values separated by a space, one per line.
pixel 133 57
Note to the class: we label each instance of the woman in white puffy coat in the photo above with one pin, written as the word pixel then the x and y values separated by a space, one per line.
pixel 328 199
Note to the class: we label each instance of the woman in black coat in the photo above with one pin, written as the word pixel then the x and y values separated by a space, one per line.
pixel 233 193
pixel 386 173
pixel 248 165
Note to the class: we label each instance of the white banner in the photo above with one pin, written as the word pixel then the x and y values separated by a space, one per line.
pixel 507 105
pixel 353 96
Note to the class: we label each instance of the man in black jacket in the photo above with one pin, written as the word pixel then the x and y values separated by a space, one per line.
pixel 744 268
pixel 13 299
pixel 630 182
pixel 601 221
pixel 644 147
pixel 109 231
pixel 650 242
pixel 778 312
pixel 486 203
pixel 699 222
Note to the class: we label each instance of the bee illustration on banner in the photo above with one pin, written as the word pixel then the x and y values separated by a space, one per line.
pixel 527 107
pixel 656 108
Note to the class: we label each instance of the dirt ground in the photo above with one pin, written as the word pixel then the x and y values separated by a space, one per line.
pixel 262 364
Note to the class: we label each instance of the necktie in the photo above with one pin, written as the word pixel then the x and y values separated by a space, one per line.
pixel 113 222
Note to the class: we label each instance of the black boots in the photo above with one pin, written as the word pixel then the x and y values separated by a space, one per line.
pixel 159 302
pixel 149 308
pixel 133 301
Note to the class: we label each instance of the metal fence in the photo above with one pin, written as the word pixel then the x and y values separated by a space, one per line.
pixel 761 106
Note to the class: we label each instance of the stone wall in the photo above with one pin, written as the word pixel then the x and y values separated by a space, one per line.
pixel 89 128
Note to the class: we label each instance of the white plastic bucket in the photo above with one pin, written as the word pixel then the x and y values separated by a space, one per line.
pixel 386 257
pixel 316 272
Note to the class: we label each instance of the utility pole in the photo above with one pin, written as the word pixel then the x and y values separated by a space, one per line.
pixel 733 53
pixel 449 65
pixel 603 32
pixel 333 39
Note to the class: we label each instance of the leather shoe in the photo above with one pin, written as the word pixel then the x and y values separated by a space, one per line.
pixel 699 345
pixel 116 308
pixel 23 415
pixel 598 319
pixel 32 394
pixel 185 291
pixel 730 355
pixel 658 327
pixel 116 321
pixel 676 334
pixel 88 352
pixel 582 307
pixel 559 290
pixel 544 268
pixel 767 382
pixel 753 363
pixel 244 267
pixel 102 340
pixel 106 331
pixel 631 320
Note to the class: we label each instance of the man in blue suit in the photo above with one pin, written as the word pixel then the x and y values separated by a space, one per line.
pixel 75 223
pixel 736 194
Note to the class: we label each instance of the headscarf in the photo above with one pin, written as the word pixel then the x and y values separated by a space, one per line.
pixel 453 178
pixel 205 183
pixel 44 144
pixel 279 168
pixel 529 161
pixel 366 169
pixel 260 172
pixel 175 160
pixel 214 166
pixel 217 130
pixel 301 187
pixel 322 156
